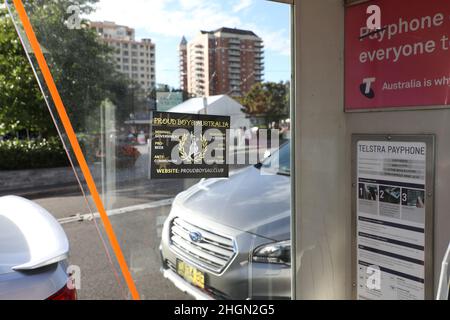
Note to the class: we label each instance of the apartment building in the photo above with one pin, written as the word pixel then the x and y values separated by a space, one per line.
pixel 182 49
pixel 136 59
pixel 224 61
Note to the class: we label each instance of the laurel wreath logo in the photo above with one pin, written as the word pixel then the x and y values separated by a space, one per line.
pixel 192 157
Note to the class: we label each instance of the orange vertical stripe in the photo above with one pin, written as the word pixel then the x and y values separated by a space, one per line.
pixel 75 146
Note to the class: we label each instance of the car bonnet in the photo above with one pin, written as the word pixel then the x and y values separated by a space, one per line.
pixel 247 201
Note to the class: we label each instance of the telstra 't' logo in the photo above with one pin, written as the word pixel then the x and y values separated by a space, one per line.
pixel 366 88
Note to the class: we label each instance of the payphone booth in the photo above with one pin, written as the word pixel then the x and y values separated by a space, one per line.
pixel 373 158
pixel 354 204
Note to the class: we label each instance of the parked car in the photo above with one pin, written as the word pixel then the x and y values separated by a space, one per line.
pixel 33 253
pixel 230 238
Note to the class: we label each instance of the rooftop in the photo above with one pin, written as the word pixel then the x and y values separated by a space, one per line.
pixel 231 31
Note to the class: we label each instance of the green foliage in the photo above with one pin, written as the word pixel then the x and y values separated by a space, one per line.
pixel 20 154
pixel 268 100
pixel 21 103
pixel 80 64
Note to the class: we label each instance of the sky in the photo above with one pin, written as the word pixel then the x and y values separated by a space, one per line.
pixel 166 21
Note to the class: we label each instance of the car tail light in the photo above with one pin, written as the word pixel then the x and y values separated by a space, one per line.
pixel 65 294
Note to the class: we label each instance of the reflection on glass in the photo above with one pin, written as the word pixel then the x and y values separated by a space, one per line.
pixel 215 238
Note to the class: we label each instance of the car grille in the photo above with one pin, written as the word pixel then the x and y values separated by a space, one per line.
pixel 213 252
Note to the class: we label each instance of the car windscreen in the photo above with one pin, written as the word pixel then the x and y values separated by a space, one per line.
pixel 279 161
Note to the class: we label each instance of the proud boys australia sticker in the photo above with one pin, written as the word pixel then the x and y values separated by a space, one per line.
pixel 188 146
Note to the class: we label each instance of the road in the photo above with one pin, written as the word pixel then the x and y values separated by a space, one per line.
pixel 138 232
pixel 137 209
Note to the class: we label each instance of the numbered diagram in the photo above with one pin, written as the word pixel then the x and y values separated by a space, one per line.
pixel 368 198
pixel 413 205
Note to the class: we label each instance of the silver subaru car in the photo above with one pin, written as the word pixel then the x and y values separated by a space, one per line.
pixel 230 238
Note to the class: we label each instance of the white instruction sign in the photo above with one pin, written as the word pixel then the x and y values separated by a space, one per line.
pixel 390 253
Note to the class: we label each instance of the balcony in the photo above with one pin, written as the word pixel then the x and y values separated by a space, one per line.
pixel 233 46
pixel 234 59
pixel 236 91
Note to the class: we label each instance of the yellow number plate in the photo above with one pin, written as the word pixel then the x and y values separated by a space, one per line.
pixel 191 274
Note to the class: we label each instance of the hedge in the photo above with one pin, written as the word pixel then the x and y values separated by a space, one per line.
pixel 32 154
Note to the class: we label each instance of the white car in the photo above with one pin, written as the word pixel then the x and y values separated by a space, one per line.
pixel 33 253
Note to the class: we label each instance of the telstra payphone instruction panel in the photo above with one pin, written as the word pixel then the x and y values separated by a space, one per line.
pixel 391 207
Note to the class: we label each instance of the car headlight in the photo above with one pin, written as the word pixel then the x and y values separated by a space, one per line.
pixel 277 252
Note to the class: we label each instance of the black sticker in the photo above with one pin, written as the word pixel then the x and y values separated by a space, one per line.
pixel 188 146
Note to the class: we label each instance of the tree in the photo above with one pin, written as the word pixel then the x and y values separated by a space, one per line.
pixel 80 63
pixel 22 106
pixel 269 101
